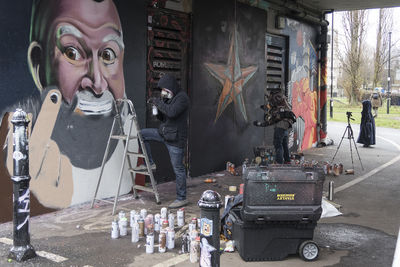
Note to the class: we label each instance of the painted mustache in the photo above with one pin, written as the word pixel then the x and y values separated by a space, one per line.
pixel 89 104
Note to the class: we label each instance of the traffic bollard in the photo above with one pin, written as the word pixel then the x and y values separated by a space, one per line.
pixel 21 249
pixel 210 204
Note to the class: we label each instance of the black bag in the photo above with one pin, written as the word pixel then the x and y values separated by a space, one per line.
pixel 227 218
pixel 169 133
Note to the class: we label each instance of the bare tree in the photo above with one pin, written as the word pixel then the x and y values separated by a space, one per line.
pixel 385 25
pixel 366 72
pixel 351 58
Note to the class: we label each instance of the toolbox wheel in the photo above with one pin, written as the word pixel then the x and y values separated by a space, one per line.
pixel 309 250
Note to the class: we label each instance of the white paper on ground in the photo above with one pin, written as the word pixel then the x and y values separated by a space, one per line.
pixel 328 210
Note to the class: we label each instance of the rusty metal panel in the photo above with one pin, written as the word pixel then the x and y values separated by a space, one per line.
pixel 168 37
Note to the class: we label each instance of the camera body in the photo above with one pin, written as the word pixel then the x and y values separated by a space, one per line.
pixel 349 114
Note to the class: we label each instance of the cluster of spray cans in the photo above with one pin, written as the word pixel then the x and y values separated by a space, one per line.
pixel 191 241
pixel 146 226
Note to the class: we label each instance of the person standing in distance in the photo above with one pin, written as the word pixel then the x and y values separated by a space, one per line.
pixel 173 110
pixel 376 101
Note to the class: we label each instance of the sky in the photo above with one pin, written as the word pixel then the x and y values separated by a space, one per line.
pixel 372 24
pixel 373 15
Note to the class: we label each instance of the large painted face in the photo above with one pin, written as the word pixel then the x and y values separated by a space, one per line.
pixel 87 55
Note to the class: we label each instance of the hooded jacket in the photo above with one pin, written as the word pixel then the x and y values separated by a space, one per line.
pixel 174 113
pixel 367 126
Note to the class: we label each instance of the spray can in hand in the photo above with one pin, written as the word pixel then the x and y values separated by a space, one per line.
pixel 154 110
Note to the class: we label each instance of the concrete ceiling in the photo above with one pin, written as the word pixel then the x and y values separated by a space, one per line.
pixel 342 5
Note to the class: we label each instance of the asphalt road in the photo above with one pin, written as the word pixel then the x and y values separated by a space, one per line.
pixel 365 235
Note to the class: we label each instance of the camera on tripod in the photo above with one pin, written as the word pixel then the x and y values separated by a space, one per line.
pixel 349 115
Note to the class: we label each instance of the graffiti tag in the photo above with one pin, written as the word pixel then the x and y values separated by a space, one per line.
pixel 23 207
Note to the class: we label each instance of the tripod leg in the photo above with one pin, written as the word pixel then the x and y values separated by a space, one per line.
pixel 350 137
pixel 337 149
pixel 362 167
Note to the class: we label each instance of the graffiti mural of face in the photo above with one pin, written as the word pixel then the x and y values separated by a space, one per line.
pixel 77 46
pixel 88 53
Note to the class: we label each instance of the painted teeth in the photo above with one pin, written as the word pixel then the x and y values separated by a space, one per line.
pixel 90 105
pixel 95 108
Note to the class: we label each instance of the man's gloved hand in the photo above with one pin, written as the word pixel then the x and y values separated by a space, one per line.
pixel 257 123
pixel 152 100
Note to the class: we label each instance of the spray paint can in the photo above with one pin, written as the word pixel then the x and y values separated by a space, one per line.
pixel 114 230
pixel 162 241
pixel 154 110
pixel 135 232
pixel 171 220
pixel 136 217
pixel 141 227
pixel 163 213
pixel 121 214
pixel 193 235
pixel 194 255
pixel 143 213
pixel 331 190
pixel 157 222
pixel 150 229
pixel 170 238
pixel 147 221
pixel 150 243
pixel 132 217
pixel 195 221
pixel 123 226
pixel 192 226
pixel 188 241
pixel 183 243
pixel 164 224
pixel 180 217
pixel 228 164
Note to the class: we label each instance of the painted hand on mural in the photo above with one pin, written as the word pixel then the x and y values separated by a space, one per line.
pixel 50 171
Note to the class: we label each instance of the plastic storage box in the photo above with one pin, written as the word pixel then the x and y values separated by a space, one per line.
pixel 268 241
pixel 282 193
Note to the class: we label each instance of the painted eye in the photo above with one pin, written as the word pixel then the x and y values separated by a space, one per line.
pixel 72 53
pixel 108 56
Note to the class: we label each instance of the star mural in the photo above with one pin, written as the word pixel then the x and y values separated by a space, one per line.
pixel 233 78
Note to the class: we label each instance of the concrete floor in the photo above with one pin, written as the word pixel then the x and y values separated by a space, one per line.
pixel 365 235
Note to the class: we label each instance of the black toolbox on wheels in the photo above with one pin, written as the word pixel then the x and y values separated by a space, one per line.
pixel 281 207
pixel 282 193
pixel 269 241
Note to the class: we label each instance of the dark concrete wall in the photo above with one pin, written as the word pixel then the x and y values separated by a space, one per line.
pixel 231 136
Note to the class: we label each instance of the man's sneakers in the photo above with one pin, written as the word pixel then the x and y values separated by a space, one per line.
pixel 143 168
pixel 178 203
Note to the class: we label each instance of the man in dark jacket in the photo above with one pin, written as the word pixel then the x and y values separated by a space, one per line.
pixel 173 112
pixel 279 114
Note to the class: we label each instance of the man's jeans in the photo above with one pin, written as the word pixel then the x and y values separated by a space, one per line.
pixel 281 137
pixel 176 155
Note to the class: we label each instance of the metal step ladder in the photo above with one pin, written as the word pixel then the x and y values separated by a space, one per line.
pixel 126 138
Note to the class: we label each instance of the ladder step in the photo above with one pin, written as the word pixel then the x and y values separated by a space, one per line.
pixel 122 137
pixel 143 188
pixel 103 200
pixel 126 137
pixel 135 154
pixel 139 172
